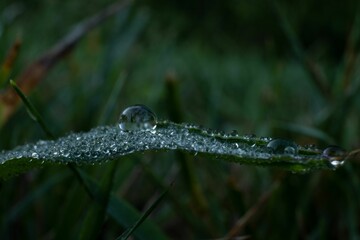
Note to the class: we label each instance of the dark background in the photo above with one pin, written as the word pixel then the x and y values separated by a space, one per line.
pixel 286 69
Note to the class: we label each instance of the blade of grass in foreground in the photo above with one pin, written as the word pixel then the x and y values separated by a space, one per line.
pixel 106 143
pixel 109 142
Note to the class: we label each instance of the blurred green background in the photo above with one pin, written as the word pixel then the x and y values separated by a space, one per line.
pixel 227 65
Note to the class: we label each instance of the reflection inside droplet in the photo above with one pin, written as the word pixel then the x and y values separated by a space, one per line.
pixel 336 163
pixel 137 117
pixel 280 146
pixel 334 153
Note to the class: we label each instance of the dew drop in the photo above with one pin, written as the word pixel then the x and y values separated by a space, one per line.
pixel 251 136
pixel 234 133
pixel 266 139
pixel 334 153
pixel 34 155
pixel 290 150
pixel 280 146
pixel 137 117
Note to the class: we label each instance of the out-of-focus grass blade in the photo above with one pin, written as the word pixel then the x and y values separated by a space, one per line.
pixel 8 64
pixel 181 209
pixel 317 76
pixel 37 193
pixel 38 69
pixel 97 213
pixel 129 231
pixel 307 131
pixel 110 105
pixel 123 213
pixel 34 114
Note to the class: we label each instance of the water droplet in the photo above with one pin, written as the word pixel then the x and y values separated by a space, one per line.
pixel 334 153
pixel 234 133
pixel 290 150
pixel 280 146
pixel 310 146
pixel 35 155
pixel 266 139
pixel 137 117
pixel 249 136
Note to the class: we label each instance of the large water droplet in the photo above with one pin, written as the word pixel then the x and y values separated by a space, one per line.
pixel 281 146
pixel 137 117
pixel 334 153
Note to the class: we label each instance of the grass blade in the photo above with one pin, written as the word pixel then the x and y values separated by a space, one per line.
pixel 34 114
pixel 96 214
pixel 313 69
pixel 122 212
pixel 130 231
pixel 109 143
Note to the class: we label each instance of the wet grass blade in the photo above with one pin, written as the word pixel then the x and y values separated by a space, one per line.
pixel 106 143
pixel 130 231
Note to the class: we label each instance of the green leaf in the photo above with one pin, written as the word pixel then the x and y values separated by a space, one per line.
pixel 108 142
